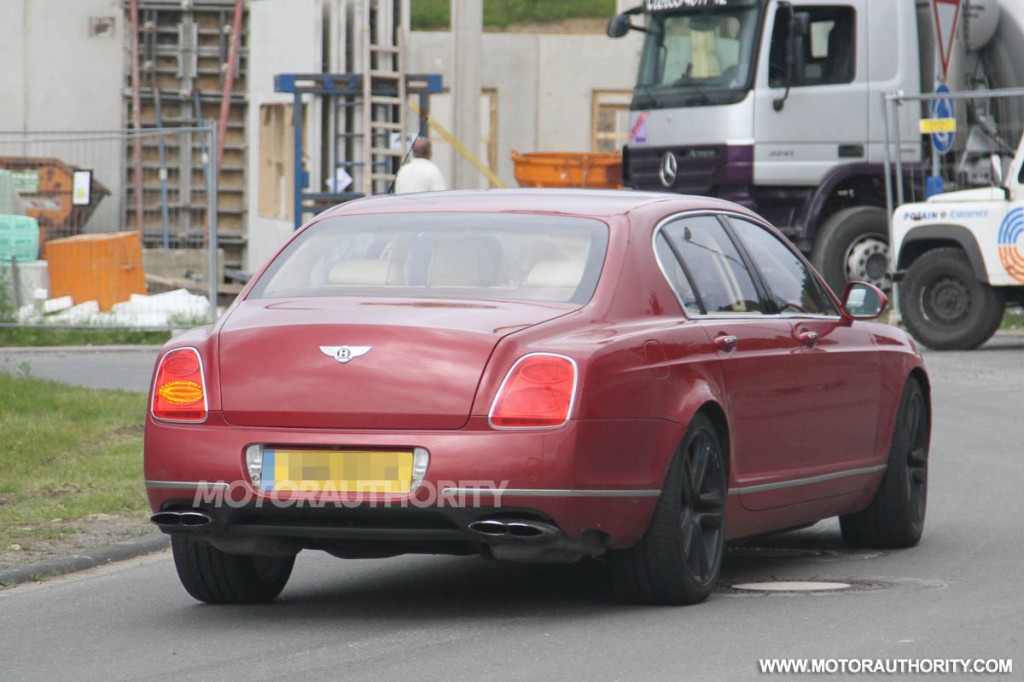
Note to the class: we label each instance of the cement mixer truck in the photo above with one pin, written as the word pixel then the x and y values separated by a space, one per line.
pixel 779 105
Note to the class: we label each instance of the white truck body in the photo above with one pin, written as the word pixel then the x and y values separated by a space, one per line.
pixel 959 259
pixel 986 215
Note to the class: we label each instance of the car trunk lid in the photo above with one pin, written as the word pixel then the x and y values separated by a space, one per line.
pixel 366 364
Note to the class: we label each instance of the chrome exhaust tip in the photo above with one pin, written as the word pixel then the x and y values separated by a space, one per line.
pixel 166 519
pixel 515 529
pixel 531 529
pixel 195 519
pixel 171 520
pixel 489 527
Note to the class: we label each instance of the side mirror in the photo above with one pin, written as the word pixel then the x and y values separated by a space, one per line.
pixel 997 169
pixel 796 36
pixel 863 301
pixel 619 26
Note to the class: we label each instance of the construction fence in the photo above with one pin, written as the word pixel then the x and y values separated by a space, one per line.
pixel 947 141
pixel 109 228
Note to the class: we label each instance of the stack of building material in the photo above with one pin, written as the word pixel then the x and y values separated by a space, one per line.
pixel 106 268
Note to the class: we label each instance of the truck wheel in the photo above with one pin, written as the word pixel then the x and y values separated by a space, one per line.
pixel 212 576
pixel 895 517
pixel 853 246
pixel 678 559
pixel 943 304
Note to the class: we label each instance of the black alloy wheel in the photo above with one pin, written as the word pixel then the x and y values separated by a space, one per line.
pixel 895 517
pixel 679 558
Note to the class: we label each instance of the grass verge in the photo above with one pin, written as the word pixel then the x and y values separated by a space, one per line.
pixel 1013 320
pixel 81 336
pixel 433 15
pixel 66 453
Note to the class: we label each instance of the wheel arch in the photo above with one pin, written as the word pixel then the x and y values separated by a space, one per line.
pixel 713 411
pixel 927 237
pixel 921 377
pixel 849 186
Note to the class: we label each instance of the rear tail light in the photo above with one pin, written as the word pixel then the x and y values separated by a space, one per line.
pixel 537 393
pixel 179 392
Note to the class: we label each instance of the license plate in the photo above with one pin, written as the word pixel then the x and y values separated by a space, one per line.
pixel 351 471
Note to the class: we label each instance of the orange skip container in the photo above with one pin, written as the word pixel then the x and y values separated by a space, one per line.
pixel 568 169
pixel 106 268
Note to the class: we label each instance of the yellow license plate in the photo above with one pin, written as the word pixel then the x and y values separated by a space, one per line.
pixel 350 471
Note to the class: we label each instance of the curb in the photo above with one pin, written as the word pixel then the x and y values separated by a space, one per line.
pixel 146 544
pixel 42 350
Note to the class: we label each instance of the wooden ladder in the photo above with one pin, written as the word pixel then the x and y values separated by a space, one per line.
pixel 384 96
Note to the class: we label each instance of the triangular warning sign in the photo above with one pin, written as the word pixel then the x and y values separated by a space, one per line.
pixel 947 13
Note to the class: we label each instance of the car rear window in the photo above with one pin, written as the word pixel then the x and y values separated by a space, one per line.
pixel 442 255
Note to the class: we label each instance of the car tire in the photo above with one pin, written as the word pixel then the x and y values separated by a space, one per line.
pixel 853 245
pixel 895 517
pixel 678 559
pixel 215 577
pixel 945 306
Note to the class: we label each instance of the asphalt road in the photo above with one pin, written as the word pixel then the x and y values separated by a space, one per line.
pixel 125 367
pixel 957 595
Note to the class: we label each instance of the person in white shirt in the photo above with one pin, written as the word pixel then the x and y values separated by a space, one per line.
pixel 419 174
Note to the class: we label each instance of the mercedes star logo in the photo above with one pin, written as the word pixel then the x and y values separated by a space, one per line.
pixel 667 172
pixel 344 354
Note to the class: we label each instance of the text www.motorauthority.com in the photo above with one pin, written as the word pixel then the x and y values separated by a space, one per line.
pixel 887 666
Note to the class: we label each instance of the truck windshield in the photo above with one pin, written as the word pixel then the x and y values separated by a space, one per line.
pixel 698 56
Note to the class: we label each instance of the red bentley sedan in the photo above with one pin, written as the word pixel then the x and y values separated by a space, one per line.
pixel 533 375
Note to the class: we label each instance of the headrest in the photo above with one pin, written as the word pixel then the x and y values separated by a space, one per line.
pixel 366 271
pixel 555 273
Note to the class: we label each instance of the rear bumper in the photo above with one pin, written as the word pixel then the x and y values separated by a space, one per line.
pixel 597 482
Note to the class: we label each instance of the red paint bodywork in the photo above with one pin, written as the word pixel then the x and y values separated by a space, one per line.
pixel 786 412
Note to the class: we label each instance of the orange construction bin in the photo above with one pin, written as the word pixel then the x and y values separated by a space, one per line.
pixel 568 169
pixel 106 268
pixel 45 189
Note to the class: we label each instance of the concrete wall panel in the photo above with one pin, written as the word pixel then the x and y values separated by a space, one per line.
pixel 545 84
pixel 284 37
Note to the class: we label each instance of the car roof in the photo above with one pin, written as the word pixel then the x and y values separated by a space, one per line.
pixel 578 202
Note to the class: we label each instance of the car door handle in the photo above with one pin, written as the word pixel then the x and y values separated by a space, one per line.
pixel 726 342
pixel 808 338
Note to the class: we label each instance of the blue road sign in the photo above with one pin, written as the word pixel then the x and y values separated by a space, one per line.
pixel 942 107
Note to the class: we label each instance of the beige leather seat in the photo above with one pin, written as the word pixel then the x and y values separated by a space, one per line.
pixel 466 262
pixel 365 272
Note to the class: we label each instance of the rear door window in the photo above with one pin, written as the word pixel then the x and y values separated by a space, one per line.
pixel 790 284
pixel 720 281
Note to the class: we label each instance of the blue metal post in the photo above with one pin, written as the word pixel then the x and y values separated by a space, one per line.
pixel 299 172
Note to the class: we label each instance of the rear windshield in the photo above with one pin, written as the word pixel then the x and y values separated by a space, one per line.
pixel 442 255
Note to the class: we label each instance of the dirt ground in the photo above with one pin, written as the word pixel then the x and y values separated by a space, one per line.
pixel 565 27
pixel 97 530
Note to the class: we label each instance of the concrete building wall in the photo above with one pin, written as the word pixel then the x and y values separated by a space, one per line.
pixel 284 37
pixel 55 75
pixel 544 85
pixel 61 68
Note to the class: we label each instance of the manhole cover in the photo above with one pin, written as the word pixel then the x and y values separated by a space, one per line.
pixel 803 587
pixel 793 586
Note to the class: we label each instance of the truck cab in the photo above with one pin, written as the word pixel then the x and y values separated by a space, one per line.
pixel 778 106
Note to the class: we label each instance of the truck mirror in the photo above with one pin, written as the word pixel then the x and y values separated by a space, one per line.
pixel 618 26
pixel 997 169
pixel 796 37
pixel 800 29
